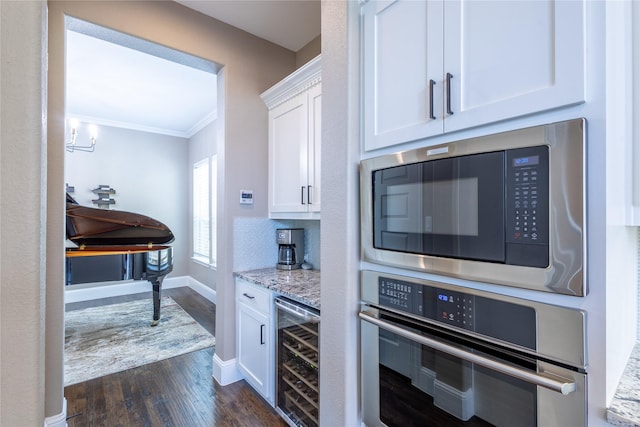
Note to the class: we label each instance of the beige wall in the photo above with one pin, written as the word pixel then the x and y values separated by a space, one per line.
pixel 308 52
pixel 249 66
pixel 22 136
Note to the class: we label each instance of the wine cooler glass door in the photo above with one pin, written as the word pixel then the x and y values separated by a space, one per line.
pixel 297 358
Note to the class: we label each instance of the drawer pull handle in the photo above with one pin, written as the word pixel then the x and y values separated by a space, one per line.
pixel 248 296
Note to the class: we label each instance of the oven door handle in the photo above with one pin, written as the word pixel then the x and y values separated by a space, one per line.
pixel 556 383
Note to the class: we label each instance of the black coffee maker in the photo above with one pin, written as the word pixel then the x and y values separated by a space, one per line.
pixel 290 248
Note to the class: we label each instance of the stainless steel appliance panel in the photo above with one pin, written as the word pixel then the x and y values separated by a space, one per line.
pixel 565 273
pixel 423 367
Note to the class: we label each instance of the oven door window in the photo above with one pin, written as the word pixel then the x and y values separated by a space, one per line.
pixel 449 207
pixel 438 390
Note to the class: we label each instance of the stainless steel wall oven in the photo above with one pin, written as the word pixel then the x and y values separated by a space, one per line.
pixel 434 354
pixel 505 208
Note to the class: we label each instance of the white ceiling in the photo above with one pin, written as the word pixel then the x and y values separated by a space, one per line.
pixel 288 23
pixel 110 84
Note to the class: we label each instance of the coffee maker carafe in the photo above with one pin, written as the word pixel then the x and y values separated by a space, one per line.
pixel 290 248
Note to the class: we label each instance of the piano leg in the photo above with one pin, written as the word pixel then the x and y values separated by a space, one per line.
pixel 157 294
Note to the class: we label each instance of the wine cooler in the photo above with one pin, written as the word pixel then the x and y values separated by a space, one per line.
pixel 297 357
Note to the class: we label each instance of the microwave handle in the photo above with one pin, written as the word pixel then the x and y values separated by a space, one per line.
pixel 557 384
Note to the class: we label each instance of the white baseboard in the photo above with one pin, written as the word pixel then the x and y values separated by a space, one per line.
pixel 133 287
pixel 59 420
pixel 225 372
pixel 202 289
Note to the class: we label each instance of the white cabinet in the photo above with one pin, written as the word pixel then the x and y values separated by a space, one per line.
pixel 438 66
pixel 255 342
pixel 294 144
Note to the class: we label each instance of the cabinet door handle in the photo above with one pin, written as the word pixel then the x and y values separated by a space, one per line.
pixel 302 195
pixel 431 85
pixel 449 77
pixel 262 334
pixel 248 296
pixel 309 194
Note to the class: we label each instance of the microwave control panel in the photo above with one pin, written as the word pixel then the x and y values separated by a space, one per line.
pixel 527 206
pixel 490 317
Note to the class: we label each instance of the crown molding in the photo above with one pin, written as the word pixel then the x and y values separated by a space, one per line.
pixel 210 117
pixel 297 82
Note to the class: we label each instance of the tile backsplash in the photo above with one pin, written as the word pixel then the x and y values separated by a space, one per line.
pixel 254 242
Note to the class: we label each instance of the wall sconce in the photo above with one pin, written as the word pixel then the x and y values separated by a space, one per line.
pixel 72 146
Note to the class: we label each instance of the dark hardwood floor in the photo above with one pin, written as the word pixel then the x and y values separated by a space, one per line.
pixel 179 391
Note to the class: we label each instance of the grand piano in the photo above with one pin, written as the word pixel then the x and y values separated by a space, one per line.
pixel 117 245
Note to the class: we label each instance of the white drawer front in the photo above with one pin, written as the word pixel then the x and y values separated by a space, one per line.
pixel 253 296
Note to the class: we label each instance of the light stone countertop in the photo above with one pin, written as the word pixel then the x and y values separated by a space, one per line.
pixel 625 406
pixel 300 285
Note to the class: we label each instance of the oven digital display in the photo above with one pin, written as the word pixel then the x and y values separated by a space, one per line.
pixel 443 297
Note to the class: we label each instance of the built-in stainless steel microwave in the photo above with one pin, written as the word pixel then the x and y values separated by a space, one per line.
pixel 505 208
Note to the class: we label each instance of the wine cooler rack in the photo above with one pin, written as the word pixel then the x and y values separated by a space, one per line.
pixel 299 391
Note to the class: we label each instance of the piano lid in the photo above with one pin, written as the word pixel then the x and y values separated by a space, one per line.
pixel 89 226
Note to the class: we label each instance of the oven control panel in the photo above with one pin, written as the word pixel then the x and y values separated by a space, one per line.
pixel 455 308
pixel 401 295
pixel 491 317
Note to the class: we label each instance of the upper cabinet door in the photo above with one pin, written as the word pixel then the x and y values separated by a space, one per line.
pixel 508 59
pixel 402 71
pixel 294 143
pixel 439 66
pixel 288 137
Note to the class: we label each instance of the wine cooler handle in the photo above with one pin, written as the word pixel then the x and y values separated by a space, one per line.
pixel 558 384
pixel 303 314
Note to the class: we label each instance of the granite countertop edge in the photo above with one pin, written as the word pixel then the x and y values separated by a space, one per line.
pixel 624 409
pixel 300 285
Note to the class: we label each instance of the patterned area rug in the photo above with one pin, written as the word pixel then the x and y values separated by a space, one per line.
pixel 113 338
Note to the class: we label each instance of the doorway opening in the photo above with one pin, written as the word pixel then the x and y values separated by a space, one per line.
pixel 148 114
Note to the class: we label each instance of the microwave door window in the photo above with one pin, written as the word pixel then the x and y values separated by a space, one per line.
pixel 467 199
pixel 399 219
pixel 447 207
pixel 451 207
